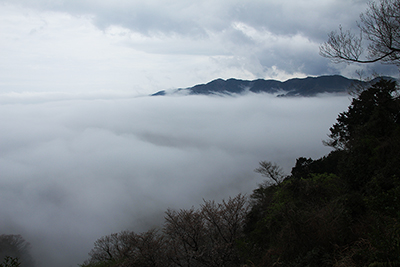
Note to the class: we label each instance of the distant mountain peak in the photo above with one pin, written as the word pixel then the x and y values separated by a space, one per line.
pixel 309 86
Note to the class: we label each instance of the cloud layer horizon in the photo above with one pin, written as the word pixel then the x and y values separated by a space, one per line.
pixel 75 170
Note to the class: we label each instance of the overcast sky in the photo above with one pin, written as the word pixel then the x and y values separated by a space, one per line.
pixel 140 47
pixel 82 155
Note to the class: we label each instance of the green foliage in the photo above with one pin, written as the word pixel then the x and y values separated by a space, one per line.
pixel 384 195
pixel 369 134
pixel 385 239
pixel 342 209
pixel 373 114
pixel 303 218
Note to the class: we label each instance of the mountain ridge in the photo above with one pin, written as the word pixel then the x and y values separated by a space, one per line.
pixel 309 86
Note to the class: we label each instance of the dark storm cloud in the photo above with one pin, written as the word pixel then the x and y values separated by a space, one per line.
pixel 77 169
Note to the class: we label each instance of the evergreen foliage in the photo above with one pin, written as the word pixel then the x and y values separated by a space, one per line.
pixel 342 209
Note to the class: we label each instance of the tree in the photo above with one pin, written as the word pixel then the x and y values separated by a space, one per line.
pixel 127 248
pixel 379 26
pixel 368 135
pixel 112 247
pixel 207 236
pixel 10 262
pixel 186 232
pixel 15 247
pixel 271 171
pixel 375 112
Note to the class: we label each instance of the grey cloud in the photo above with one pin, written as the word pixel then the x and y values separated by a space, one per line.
pixel 192 41
pixel 149 21
pixel 146 17
pixel 312 18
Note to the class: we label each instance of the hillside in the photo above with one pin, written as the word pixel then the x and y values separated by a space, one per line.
pixel 309 86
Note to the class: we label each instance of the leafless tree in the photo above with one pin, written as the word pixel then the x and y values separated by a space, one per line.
pixel 186 234
pixel 379 27
pixel 129 249
pixel 224 222
pixel 113 247
pixel 15 247
pixel 272 171
pixel 150 250
pixel 207 236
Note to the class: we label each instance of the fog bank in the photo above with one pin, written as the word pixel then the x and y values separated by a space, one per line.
pixel 75 169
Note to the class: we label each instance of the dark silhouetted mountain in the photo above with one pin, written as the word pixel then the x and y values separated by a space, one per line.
pixel 309 86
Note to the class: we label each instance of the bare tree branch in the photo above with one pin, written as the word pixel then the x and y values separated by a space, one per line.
pixel 379 26
pixel 271 171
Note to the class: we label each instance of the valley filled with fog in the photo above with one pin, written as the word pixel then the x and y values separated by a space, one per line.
pixel 76 169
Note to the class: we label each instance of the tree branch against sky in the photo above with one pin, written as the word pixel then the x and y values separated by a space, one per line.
pixel 378 39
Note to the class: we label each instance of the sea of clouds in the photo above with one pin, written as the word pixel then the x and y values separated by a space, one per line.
pixel 75 168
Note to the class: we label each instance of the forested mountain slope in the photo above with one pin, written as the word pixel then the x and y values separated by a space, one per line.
pixel 309 86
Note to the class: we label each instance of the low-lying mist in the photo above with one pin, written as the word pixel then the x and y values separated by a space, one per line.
pixel 74 170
